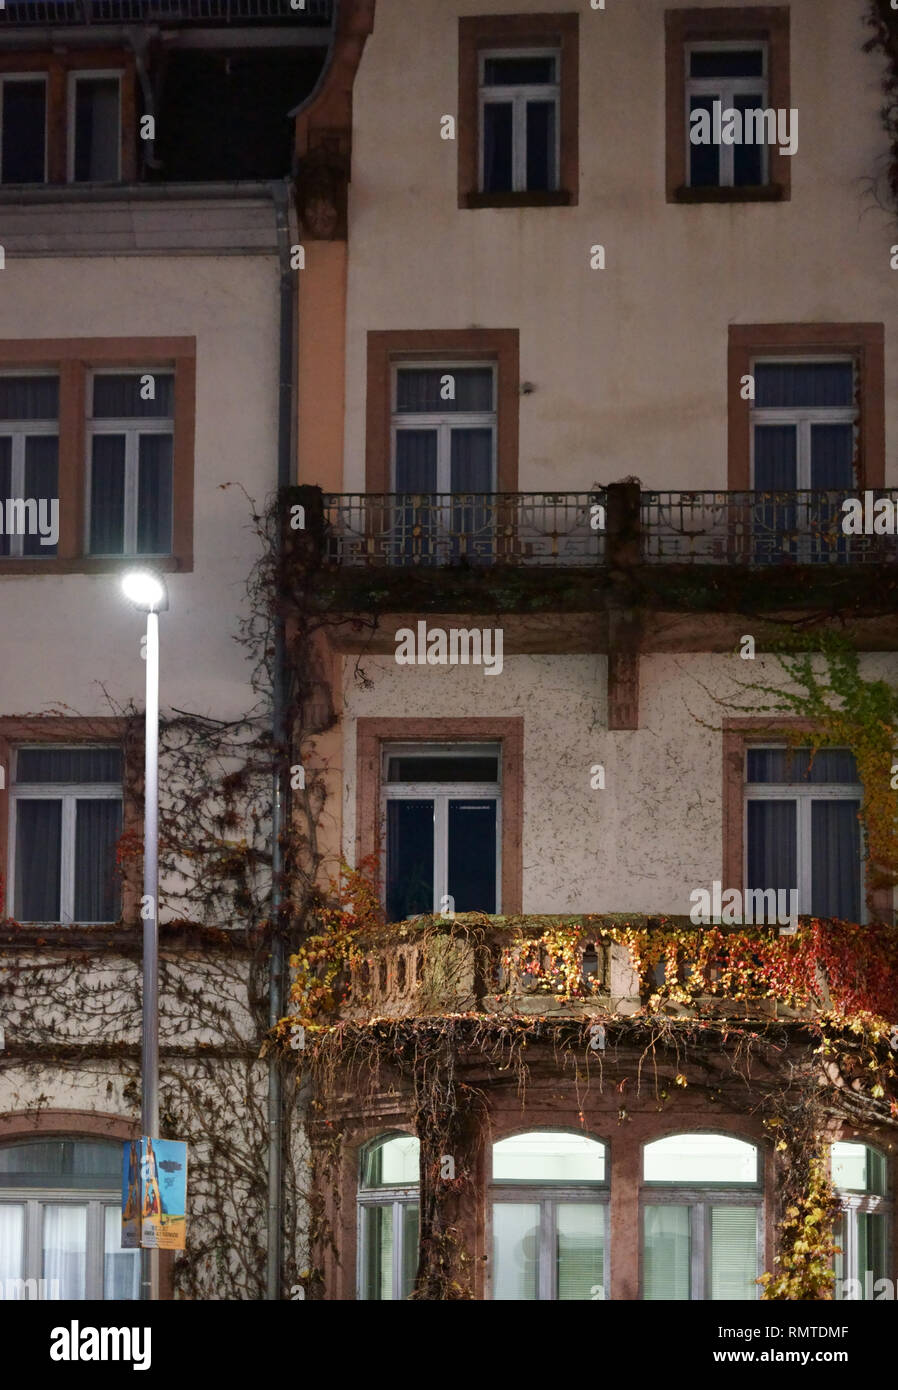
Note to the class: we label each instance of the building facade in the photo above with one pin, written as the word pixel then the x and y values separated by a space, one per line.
pixel 556 748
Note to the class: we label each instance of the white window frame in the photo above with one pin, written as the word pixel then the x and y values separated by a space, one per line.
pixel 443 421
pixel 441 793
pixel 852 1204
pixel 548 1195
pixel 74 78
pixel 68 793
pixel 803 793
pixel 724 89
pixel 132 427
pixel 397 1197
pixel 802 417
pixel 34 1202
pixel 700 1198
pixel 519 94
pixel 17 431
pixel 26 77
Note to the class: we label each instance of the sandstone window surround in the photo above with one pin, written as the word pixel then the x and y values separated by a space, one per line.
pixel 531 64
pixel 863 344
pixel 763 29
pixel 75 785
pixel 375 734
pixel 138 482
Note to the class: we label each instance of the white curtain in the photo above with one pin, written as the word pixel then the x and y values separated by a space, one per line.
pixel 12 1238
pixel 65 1248
pixel 121 1268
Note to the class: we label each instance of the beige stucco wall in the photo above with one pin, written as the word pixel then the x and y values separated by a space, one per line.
pixel 629 363
pixel 87 633
pixel 654 834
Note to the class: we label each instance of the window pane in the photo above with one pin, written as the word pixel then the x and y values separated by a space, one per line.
pixel 24 130
pixel 29 398
pixel 471 464
pixel 392 1162
pixel 154 495
pixel 120 395
pixel 832 456
pixel 748 159
pixel 546 1156
pixel 41 484
pixel 772 857
pixel 5 484
pixel 38 860
pixel 835 860
pixel 409 859
pixel 416 467
pixel 776 468
pixel 12 1245
pixel 734 1252
pixel 497 147
pixel 472 855
pixel 518 72
pixel 98 826
pixel 516 1251
pixel 377 1235
pixel 666 1253
pixel 409 1263
pixel 804 384
pixel 70 1163
pixel 65 1247
pixel 540 146
pixel 121 1268
pixel 69 765
pixel 704 160
pixel 857 1168
pixel 872 1256
pixel 580 1250
pixel 96 129
pixel 787 765
pixel 726 62
pixel 107 495
pixel 700 1158
pixel 409 767
pixel 421 390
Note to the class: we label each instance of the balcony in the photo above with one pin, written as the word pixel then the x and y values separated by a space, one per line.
pixel 586 967
pixel 609 569
pixel 46 13
pixel 568 529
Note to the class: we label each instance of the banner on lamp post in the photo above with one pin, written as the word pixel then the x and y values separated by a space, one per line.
pixel 154 1194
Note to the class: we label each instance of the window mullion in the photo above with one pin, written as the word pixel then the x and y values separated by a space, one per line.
pixel 698 1274
pixel 130 519
pixel 67 860
pixel 17 484
pixel 33 1240
pixel 805 852
pixel 519 143
pixel 440 849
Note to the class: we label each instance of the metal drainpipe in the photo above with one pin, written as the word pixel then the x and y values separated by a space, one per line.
pixel 139 40
pixel 279 799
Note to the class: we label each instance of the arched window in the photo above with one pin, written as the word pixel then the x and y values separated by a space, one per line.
pixel 701 1218
pixel 859 1177
pixel 549 1217
pixel 388 1217
pixel 60 1221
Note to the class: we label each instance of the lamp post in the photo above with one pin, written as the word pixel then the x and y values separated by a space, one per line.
pixel 148 594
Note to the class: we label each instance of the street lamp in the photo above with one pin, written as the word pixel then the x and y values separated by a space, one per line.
pixel 148 594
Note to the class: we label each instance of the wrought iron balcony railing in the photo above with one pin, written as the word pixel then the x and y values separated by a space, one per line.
pixel 77 12
pixel 613 525
pixel 531 528
pixel 758 528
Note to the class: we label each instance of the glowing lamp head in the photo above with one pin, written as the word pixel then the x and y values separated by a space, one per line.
pixel 145 590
